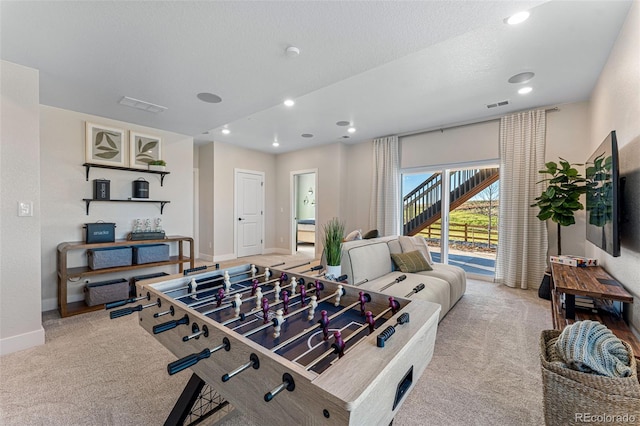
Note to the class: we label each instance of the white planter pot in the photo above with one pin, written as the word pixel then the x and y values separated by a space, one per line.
pixel 333 271
pixel 156 168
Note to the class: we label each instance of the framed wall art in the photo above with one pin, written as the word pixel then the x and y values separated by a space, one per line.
pixel 143 149
pixel 104 145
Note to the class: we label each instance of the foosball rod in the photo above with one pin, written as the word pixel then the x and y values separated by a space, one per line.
pixel 270 324
pixel 346 339
pixel 312 269
pixel 318 325
pixel 397 280
pixel 128 311
pixel 214 279
pixel 115 304
pixel 296 266
pixel 203 301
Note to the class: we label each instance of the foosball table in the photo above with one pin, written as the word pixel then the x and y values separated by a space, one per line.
pixel 290 348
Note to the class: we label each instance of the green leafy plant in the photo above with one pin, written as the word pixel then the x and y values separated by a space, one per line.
pixel 561 199
pixel 599 188
pixel 333 235
pixel 158 163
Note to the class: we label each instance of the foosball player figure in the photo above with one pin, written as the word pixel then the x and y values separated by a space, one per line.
pixel 276 291
pixel 362 298
pixel 312 307
pixel 258 297
pixel 237 302
pixel 319 286
pixel 394 305
pixel 369 319
pixel 219 297
pixel 277 323
pixel 254 286
pixel 285 302
pixel 303 295
pixel 324 323
pixel 294 283
pixel 338 344
pixel 265 310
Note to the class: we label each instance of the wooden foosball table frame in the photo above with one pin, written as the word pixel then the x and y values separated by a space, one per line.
pixel 367 385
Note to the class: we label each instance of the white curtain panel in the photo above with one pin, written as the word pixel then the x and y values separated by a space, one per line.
pixel 522 241
pixel 384 213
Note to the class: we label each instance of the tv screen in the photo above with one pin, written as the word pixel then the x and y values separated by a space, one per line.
pixel 603 196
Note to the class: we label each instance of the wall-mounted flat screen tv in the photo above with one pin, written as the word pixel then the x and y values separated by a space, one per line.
pixel 603 196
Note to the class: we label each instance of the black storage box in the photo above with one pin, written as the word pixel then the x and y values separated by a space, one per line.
pixel 106 291
pixel 101 189
pixel 150 253
pixel 140 188
pixel 109 257
pixel 151 235
pixel 134 280
pixel 100 232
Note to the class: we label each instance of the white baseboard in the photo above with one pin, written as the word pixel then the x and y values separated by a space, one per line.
pixel 51 304
pixel 276 251
pixel 224 257
pixel 22 341
pixel 205 257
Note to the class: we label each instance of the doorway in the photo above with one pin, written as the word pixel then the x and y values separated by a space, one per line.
pixel 249 209
pixel 304 212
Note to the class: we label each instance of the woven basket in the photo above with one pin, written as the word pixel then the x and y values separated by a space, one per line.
pixel 572 397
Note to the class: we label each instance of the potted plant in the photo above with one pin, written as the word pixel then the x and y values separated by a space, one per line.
pixel 562 197
pixel 157 165
pixel 333 235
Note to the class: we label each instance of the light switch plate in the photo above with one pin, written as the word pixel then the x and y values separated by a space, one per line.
pixel 25 208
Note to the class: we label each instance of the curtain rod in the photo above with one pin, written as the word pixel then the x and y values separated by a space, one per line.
pixel 488 120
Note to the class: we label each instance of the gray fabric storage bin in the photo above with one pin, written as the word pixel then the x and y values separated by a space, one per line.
pixel 109 257
pixel 134 280
pixel 150 253
pixel 106 291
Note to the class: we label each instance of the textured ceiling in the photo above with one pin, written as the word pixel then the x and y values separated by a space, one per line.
pixel 387 67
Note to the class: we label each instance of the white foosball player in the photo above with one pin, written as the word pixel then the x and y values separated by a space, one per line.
pixel 338 296
pixel 276 291
pixel 278 321
pixel 313 304
pixel 294 284
pixel 254 271
pixel 194 287
pixel 258 297
pixel 237 302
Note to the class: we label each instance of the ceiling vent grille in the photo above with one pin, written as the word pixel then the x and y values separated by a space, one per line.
pixel 498 104
pixel 144 106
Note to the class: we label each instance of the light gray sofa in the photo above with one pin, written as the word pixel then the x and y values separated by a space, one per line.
pixel 368 264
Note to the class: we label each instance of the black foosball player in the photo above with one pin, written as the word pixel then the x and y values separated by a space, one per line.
pixel 324 323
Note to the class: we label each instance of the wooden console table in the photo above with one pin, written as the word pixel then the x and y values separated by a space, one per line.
pixel 594 282
pixel 79 272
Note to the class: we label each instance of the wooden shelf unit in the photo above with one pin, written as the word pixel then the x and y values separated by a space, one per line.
pixel 572 280
pixel 65 272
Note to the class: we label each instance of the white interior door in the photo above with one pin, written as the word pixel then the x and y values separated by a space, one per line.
pixel 249 212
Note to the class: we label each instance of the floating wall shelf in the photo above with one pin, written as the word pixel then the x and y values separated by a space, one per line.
pixel 88 167
pixel 162 203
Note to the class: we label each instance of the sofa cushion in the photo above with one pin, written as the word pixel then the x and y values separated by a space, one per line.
pixel 354 235
pixel 412 261
pixel 415 243
pixel 455 276
pixel 371 234
pixel 365 260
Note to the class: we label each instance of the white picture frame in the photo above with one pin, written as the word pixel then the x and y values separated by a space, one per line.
pixel 104 145
pixel 143 149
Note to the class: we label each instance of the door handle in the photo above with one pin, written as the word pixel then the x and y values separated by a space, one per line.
pixel 240 218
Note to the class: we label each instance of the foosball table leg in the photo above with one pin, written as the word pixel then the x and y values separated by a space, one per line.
pixel 189 397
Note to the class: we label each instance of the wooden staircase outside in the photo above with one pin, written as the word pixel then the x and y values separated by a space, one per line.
pixel 422 206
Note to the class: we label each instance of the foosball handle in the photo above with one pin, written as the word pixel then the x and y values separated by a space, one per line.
pixel 190 360
pixel 124 312
pixel 112 305
pixel 384 336
pixel 342 278
pixel 287 383
pixel 159 328
pixel 316 268
pixel 401 278
pixel 197 268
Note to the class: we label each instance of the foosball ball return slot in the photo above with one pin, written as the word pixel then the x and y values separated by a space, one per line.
pixel 325 343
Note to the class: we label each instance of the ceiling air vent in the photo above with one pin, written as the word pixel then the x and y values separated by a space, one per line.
pixel 497 104
pixel 143 105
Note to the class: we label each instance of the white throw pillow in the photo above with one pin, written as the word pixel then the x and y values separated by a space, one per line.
pixel 415 243
pixel 355 235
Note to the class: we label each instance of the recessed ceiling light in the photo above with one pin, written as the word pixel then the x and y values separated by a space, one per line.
pixel 289 102
pixel 343 123
pixel 523 77
pixel 276 144
pixel 226 131
pixel 518 18
pixel 351 130
pixel 306 135
pixel 209 97
pixel 525 90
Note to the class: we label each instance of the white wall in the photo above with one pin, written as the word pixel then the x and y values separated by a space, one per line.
pixel 63 186
pixel 206 195
pixel 227 158
pixel 359 161
pixel 20 271
pixel 615 105
pixel 329 160
pixel 568 137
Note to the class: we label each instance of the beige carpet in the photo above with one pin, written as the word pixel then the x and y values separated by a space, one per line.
pixel 97 371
